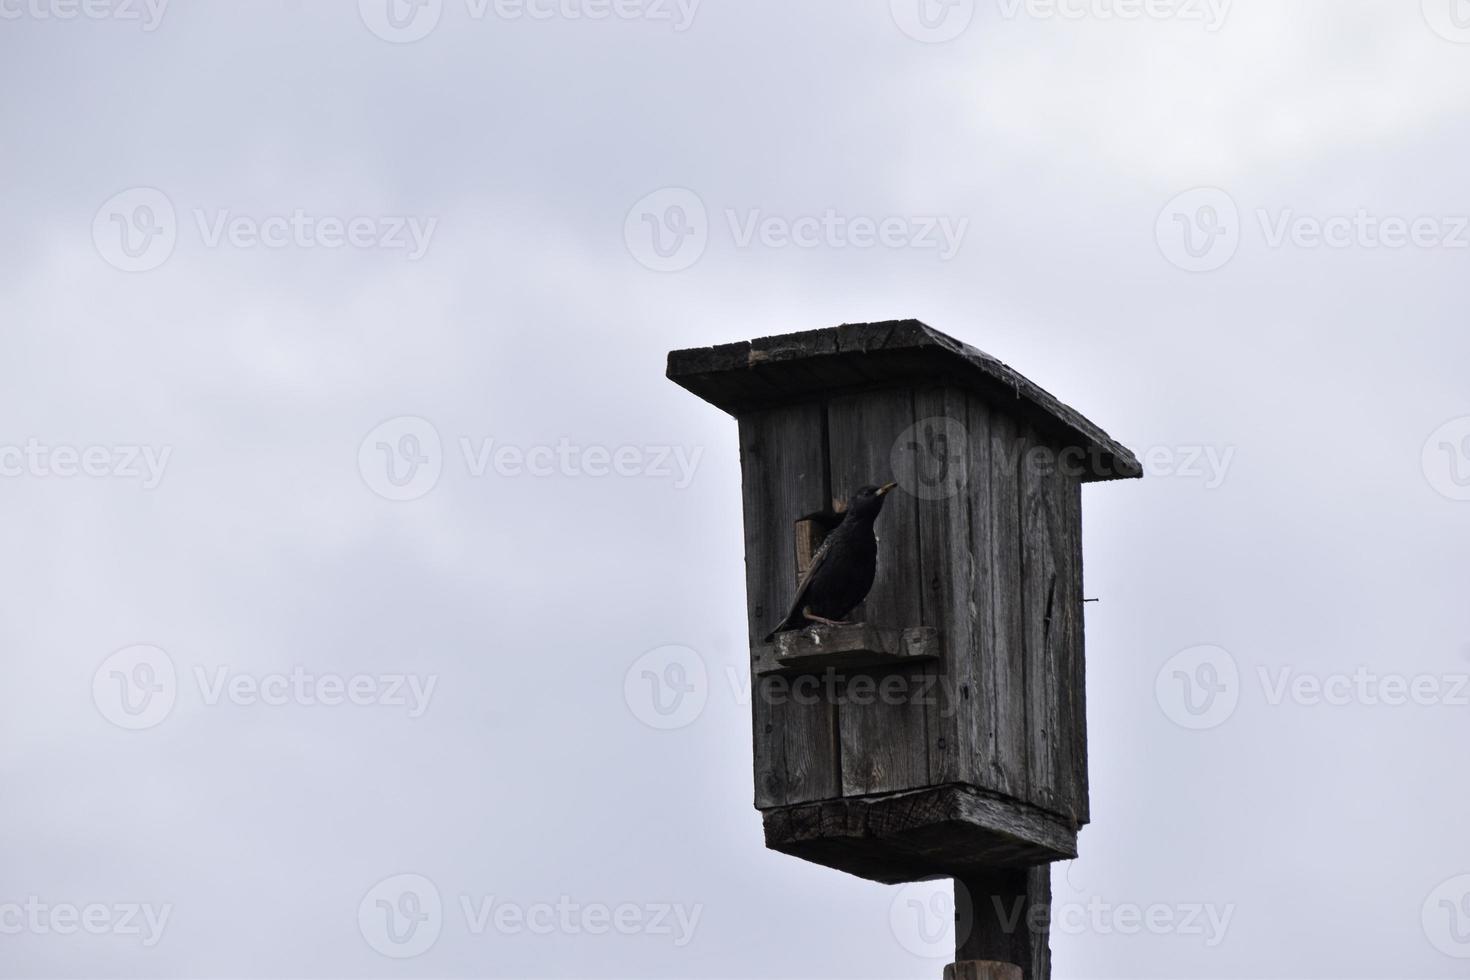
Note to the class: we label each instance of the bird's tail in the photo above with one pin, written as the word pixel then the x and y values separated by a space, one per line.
pixel 792 622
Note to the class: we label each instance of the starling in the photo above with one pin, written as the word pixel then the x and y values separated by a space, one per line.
pixel 842 570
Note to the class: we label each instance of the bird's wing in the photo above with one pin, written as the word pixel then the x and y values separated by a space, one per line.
pixel 806 580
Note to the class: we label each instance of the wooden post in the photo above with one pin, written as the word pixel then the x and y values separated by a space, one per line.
pixel 1002 917
pixel 981 970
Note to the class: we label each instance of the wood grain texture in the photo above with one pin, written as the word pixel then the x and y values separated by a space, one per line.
pixel 784 477
pixel 860 646
pixel 998 541
pixel 1074 665
pixel 1003 910
pixel 982 970
pixel 752 374
pixel 884 741
pixel 1038 893
pixel 942 830
pixel 1043 628
pixel 1055 664
pixel 941 445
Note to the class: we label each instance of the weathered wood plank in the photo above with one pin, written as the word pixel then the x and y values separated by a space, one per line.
pixel 883 739
pixel 982 970
pixel 784 478
pixel 816 649
pixel 1001 907
pixel 945 498
pixel 1043 603
pixel 973 627
pixel 1074 669
pixel 945 830
pixel 752 374
pixel 1038 890
pixel 1003 665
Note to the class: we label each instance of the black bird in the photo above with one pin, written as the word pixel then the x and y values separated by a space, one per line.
pixel 842 570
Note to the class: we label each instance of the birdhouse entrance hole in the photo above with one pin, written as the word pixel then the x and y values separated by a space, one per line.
pixel 810 532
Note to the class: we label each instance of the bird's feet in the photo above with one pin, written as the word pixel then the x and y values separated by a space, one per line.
pixel 823 620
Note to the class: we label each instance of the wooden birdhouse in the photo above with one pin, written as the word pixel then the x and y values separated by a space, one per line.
pixel 944 732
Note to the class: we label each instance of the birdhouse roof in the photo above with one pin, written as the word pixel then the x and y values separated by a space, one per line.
pixel 755 374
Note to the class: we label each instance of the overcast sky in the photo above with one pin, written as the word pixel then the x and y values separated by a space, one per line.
pixel 346 506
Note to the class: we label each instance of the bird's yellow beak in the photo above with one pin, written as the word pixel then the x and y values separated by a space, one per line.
pixel 883 490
